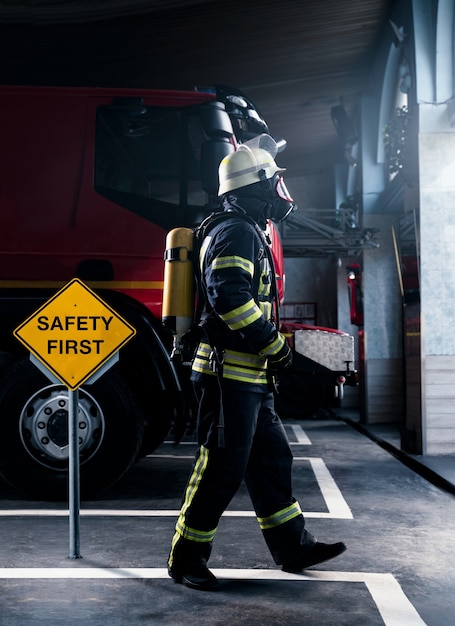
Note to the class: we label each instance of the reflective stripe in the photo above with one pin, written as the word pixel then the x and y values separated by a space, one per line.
pixel 203 252
pixel 204 350
pixel 181 528
pixel 195 478
pixel 266 308
pixel 240 359
pixel 275 346
pixel 244 359
pixel 264 290
pixel 192 534
pixel 242 316
pixel 240 366
pixel 201 363
pixel 281 517
pixel 265 281
pixel 244 376
pixel 248 170
pixel 223 262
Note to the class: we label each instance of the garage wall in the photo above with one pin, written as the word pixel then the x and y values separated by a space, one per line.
pixel 312 279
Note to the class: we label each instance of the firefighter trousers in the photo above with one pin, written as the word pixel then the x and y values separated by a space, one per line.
pixel 256 449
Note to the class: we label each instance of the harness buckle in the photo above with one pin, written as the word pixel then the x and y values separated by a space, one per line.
pixel 216 359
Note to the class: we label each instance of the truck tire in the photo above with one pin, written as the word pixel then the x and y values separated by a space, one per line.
pixel 34 432
pixel 297 397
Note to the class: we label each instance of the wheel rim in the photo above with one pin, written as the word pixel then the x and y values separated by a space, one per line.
pixel 43 426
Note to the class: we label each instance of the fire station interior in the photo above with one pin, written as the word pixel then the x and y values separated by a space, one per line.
pixel 353 92
pixel 363 93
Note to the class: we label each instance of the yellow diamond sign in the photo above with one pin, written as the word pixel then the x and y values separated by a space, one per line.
pixel 74 333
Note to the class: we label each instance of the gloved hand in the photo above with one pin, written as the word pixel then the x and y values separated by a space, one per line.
pixel 281 360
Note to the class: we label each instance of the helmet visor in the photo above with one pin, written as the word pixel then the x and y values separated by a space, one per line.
pixel 263 142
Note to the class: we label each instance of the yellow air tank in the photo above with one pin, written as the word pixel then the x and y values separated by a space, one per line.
pixel 178 292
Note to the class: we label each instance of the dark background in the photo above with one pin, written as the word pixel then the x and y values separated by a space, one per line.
pixel 294 59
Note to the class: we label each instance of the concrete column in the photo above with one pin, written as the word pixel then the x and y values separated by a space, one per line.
pixel 437 262
pixel 382 379
pixel 383 371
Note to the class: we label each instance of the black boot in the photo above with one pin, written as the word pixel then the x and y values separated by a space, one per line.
pixel 295 549
pixel 187 565
pixel 318 553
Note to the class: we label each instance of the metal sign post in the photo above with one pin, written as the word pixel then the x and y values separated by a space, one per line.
pixel 74 476
pixel 74 338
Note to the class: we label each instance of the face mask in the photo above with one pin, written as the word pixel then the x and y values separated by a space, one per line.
pixel 282 203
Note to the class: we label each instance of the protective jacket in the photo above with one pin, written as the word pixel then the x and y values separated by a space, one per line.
pixel 240 285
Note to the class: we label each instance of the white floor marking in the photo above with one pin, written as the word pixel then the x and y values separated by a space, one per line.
pixel 133 513
pixel 336 504
pixel 300 435
pixel 180 443
pixel 170 456
pixel 392 603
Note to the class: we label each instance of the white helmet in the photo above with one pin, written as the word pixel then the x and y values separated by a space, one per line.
pixel 252 162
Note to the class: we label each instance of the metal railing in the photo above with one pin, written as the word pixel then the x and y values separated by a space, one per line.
pixel 326 232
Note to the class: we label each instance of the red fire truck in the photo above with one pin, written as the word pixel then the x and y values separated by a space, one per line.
pixel 91 181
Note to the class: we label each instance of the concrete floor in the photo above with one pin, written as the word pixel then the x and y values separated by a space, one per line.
pixel 398 569
pixel 438 468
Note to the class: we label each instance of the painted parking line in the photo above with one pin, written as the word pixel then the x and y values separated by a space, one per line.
pixel 392 604
pixel 302 438
pixel 334 500
pixel 335 503
pixel 180 443
pixel 337 507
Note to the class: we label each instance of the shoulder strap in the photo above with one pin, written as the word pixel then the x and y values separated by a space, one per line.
pixel 200 233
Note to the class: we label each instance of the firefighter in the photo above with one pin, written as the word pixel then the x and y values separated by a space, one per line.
pixel 239 434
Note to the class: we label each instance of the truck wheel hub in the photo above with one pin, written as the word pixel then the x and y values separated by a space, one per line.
pixel 44 426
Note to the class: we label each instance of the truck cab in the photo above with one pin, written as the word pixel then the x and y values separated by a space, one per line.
pixel 91 181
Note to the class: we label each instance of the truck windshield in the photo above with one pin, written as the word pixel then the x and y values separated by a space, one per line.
pixel 147 159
